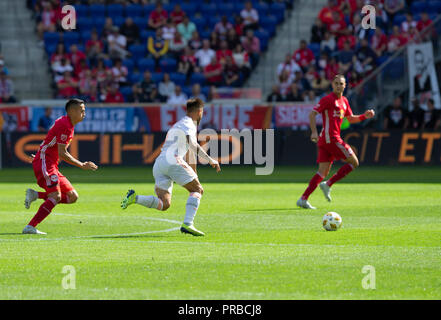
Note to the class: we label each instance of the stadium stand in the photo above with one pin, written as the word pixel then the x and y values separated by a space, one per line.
pixel 6 84
pixel 142 35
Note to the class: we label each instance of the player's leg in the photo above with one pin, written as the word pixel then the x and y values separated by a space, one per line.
pixel 53 198
pixel 347 155
pixel 68 193
pixel 191 207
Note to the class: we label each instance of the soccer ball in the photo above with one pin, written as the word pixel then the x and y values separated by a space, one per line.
pixel 332 221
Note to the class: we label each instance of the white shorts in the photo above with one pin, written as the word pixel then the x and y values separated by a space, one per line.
pixel 165 173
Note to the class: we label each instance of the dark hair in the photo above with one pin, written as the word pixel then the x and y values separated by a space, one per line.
pixel 73 103
pixel 339 76
pixel 193 104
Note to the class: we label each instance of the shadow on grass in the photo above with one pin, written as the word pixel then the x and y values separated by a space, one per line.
pixel 11 234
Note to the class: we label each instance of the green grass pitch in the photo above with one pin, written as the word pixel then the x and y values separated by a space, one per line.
pixel 258 245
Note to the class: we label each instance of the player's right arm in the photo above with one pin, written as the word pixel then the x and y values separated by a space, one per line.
pixel 66 156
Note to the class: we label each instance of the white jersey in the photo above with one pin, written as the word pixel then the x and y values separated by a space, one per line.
pixel 176 144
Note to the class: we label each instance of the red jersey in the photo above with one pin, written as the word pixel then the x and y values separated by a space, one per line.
pixel 333 111
pixel 60 133
pixel 303 57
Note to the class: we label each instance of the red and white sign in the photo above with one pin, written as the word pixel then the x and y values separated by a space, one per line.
pixel 294 115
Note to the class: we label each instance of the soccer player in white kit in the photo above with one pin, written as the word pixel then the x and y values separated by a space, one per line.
pixel 170 167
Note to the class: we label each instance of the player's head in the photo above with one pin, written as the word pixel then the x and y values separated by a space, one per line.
pixel 338 84
pixel 195 109
pixel 76 110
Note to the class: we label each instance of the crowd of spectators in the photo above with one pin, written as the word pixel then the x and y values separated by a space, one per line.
pixel 97 70
pixel 7 94
pixel 339 44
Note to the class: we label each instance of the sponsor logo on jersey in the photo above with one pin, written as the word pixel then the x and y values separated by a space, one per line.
pixel 63 137
pixel 54 178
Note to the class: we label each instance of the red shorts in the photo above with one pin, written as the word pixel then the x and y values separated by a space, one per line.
pixel 49 178
pixel 335 150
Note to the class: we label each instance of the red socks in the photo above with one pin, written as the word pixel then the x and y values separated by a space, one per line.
pixel 340 174
pixel 43 212
pixel 316 179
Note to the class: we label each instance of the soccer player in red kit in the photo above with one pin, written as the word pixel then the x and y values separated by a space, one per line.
pixel 333 108
pixel 45 163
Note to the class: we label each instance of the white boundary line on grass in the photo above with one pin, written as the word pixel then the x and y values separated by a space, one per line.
pixel 43 238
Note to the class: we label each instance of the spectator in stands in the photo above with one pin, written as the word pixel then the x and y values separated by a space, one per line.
pixel 166 87
pixel 416 116
pixel 413 36
pixel 302 83
pixel 294 94
pixel 395 116
pixel 392 8
pixel 303 56
pixel 187 63
pixel 195 42
pixel 432 117
pixel 178 97
pixel 242 60
pixel 408 23
pixel 325 14
pixel 232 39
pixel 349 38
pixel 117 44
pixel 67 86
pixel 6 89
pixel 75 56
pixel 223 52
pixel 289 64
pixel 130 30
pixel 94 49
pixel 214 41
pixel 80 71
pixel 113 95
pixel 365 58
pixel 169 30
pixel 157 47
pixel 186 28
pixel 222 27
pixel 318 30
pixel 48 20
pixel 238 25
pixel 60 69
pixel 328 43
pixel 424 23
pixel 155 97
pixel 311 74
pixel 88 87
pixel 275 95
pixel 250 17
pixel 310 97
pixel 252 45
pixel 338 26
pixel 158 17
pixel 60 53
pixel 102 73
pixel 345 59
pixel 45 121
pixel 320 85
pixel 231 74
pixel 177 15
pixel 213 72
pixel 284 82
pixel 396 40
pixel 107 29
pixel 379 42
pixel 332 68
pixel 177 46
pixel 120 73
pixel 142 91
pixel 196 92
pixel 205 54
pixel 354 79
pixel 357 29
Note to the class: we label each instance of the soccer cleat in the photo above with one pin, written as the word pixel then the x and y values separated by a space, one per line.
pixel 191 230
pixel 128 199
pixel 326 190
pixel 31 196
pixel 32 230
pixel 303 203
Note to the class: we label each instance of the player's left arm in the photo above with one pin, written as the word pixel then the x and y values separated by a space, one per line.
pixel 198 150
pixel 368 114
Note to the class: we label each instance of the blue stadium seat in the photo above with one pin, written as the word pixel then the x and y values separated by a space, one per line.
pixel 167 6
pixel 70 38
pixel 85 24
pixel 262 8
pixel 398 19
pixel 141 22
pixel 168 65
pixel 197 78
pixel 98 23
pixel 278 10
pixel 51 38
pixel 146 64
pixel 50 49
pixel 226 9
pixel 81 10
pixel 204 34
pixel 189 8
pixel 129 64
pixel 269 23
pixel 395 69
pixel 200 22
pixel 114 10
pixel 178 78
pixel 126 92
pixel 118 20
pixel 97 10
pixel 138 51
pixel 315 48
pixel 134 10
pixel 239 6
pixel 145 34
pixel 85 35
pixel 418 6
pixel 108 63
pixel 147 9
pixel 135 77
pixel 434 6
pixel 186 90
pixel 157 77
pixel 208 9
pixel 263 37
pixel 211 22
pixel 382 59
pixel 205 90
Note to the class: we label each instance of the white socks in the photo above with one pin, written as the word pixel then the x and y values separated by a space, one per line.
pixel 149 202
pixel 192 207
